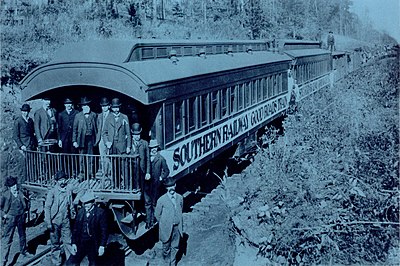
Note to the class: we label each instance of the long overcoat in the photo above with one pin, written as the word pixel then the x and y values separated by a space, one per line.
pixel 100 126
pixel 43 123
pixel 52 204
pixel 164 213
pixel 65 124
pixel 118 135
pixel 142 149
pixel 80 128
pixel 5 201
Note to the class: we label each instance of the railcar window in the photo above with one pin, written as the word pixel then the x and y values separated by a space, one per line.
pixel 187 50
pixel 233 105
pixel 270 87
pixel 178 118
pixel 259 90
pixel 247 95
pixel 280 83
pixel 192 113
pixel 169 123
pixel 240 89
pixel 147 53
pixel 224 102
pixel 264 87
pixel 161 52
pixel 254 92
pixel 214 106
pixel 204 109
pixel 178 50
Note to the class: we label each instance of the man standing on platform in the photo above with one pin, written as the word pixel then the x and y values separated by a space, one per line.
pixel 101 118
pixel 116 135
pixel 331 41
pixel 169 215
pixel 158 172
pixel 65 127
pixel 58 211
pixel 84 135
pixel 140 147
pixel 45 125
pixel 24 132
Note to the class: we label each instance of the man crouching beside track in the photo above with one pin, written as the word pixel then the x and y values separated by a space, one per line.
pixel 90 233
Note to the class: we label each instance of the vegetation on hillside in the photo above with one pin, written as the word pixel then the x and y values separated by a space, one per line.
pixel 326 192
pixel 31 31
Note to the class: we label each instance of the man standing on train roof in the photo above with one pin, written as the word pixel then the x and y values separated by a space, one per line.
pixel 90 233
pixel 84 134
pixel 24 132
pixel 158 171
pixel 169 216
pixel 58 212
pixel 116 135
pixel 65 127
pixel 101 118
pixel 331 41
pixel 45 124
pixel 12 207
pixel 140 147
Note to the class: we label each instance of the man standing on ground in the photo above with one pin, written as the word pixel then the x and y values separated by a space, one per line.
pixel 140 147
pixel 90 234
pixel 58 210
pixel 13 207
pixel 169 215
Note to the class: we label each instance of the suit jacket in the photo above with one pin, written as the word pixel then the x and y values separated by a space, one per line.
pixel 164 214
pixel 52 204
pixel 100 126
pixel 24 132
pixel 65 124
pixel 5 201
pixel 43 123
pixel 120 135
pixel 159 168
pixel 80 127
pixel 142 149
pixel 98 227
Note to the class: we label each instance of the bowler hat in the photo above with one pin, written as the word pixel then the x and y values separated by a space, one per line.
pixel 330 31
pixel 104 101
pixel 67 100
pixel 60 175
pixel 85 101
pixel 88 196
pixel 46 98
pixel 10 181
pixel 115 102
pixel 25 107
pixel 153 143
pixel 169 181
pixel 136 128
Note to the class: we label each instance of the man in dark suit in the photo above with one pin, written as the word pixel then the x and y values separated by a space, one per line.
pixel 116 135
pixel 45 125
pixel 158 172
pixel 140 147
pixel 169 215
pixel 84 134
pixel 13 207
pixel 90 233
pixel 65 127
pixel 104 167
pixel 24 132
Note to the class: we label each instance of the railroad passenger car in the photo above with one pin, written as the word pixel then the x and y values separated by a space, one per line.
pixel 197 98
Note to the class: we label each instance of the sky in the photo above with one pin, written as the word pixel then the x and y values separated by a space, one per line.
pixel 384 14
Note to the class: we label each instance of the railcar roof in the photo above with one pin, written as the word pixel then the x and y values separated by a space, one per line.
pixel 306 52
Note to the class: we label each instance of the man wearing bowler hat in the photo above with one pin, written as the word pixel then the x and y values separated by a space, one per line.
pixel 158 172
pixel 169 216
pixel 101 118
pixel 45 125
pixel 58 212
pixel 24 132
pixel 116 135
pixel 140 147
pixel 90 233
pixel 12 207
pixel 65 126
pixel 84 134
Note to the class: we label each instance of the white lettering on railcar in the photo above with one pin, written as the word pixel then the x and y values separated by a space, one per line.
pixel 192 150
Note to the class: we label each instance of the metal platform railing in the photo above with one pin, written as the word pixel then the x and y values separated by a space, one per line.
pixel 114 173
